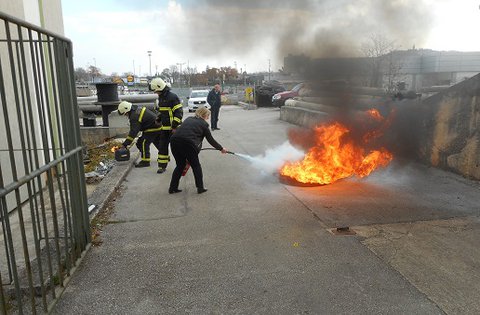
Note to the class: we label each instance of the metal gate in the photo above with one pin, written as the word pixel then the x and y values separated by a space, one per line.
pixel 43 205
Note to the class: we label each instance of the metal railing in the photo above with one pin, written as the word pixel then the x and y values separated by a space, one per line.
pixel 43 205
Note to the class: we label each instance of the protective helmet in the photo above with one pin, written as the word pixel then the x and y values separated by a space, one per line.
pixel 157 85
pixel 124 107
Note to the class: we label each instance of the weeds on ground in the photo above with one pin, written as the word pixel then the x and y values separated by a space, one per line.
pixel 102 219
pixel 99 153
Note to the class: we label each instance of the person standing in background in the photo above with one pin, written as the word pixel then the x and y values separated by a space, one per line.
pixel 214 98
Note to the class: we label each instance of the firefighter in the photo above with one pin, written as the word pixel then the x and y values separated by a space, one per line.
pixel 141 119
pixel 171 113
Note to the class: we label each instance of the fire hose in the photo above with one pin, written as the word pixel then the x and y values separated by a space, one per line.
pixel 187 166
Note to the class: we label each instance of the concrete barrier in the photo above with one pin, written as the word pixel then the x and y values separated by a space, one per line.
pixel 303 113
pixel 119 126
pixel 94 134
pixel 450 137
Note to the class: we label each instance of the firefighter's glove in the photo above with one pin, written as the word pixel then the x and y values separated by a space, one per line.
pixel 158 122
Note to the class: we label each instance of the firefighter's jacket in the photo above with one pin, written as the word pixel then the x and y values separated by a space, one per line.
pixel 170 109
pixel 141 119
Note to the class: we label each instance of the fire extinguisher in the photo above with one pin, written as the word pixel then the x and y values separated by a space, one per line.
pixel 185 170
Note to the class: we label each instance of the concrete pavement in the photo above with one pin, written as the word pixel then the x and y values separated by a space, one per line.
pixel 251 245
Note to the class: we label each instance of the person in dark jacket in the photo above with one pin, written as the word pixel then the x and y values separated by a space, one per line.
pixel 214 98
pixel 171 113
pixel 144 120
pixel 186 144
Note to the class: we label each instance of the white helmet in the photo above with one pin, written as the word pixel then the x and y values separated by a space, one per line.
pixel 157 85
pixel 124 107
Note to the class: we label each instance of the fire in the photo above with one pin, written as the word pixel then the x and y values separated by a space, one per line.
pixel 375 114
pixel 336 156
pixel 114 148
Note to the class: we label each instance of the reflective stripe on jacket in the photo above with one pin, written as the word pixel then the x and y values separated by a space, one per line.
pixel 171 110
pixel 141 119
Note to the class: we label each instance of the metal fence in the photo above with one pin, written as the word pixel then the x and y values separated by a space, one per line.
pixel 43 206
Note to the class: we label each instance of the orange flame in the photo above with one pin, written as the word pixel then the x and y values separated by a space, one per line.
pixel 114 148
pixel 375 114
pixel 335 156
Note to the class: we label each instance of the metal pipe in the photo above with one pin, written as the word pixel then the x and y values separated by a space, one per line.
pixel 45 107
pixel 26 254
pixel 21 181
pixel 34 214
pixel 34 49
pixel 65 203
pixel 14 20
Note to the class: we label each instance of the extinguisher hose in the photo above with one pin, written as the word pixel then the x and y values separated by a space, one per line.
pixel 228 152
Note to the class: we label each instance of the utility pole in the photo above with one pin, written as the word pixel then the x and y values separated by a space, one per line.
pixel 94 70
pixel 245 75
pixel 268 69
pixel 188 71
pixel 150 61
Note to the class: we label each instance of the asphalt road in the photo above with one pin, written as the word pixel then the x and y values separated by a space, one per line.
pixel 252 245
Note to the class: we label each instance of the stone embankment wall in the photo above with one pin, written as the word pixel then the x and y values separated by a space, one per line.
pixel 450 138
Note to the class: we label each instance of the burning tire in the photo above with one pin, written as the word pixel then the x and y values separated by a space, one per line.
pixel 286 180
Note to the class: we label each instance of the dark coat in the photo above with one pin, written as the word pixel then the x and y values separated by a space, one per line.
pixel 171 110
pixel 192 131
pixel 141 119
pixel 214 98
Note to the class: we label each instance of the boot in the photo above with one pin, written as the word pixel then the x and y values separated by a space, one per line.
pixel 201 190
pixel 143 164
pixel 161 170
pixel 174 191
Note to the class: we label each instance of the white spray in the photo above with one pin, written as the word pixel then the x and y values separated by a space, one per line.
pixel 274 158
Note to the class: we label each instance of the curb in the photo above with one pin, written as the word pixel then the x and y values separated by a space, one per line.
pixel 106 188
pixel 248 106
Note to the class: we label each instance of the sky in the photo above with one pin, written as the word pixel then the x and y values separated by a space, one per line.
pixel 253 35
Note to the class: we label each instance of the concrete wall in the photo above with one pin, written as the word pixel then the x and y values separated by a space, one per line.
pixel 303 113
pixel 451 129
pixel 44 13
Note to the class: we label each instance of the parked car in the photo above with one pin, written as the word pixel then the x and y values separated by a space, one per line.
pixel 280 98
pixel 196 99
pixel 264 93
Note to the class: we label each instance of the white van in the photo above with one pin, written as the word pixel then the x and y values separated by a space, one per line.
pixel 196 99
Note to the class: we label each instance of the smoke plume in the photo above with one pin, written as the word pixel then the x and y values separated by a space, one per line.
pixel 328 28
pixel 274 158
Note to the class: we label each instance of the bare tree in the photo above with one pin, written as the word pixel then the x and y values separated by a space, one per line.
pixel 94 72
pixel 175 74
pixel 382 62
pixel 81 75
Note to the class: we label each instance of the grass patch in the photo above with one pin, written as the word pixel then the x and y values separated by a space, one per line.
pixel 99 153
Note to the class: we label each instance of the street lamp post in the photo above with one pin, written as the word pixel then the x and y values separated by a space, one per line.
pixel 94 70
pixel 150 61
pixel 245 75
pixel 180 73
